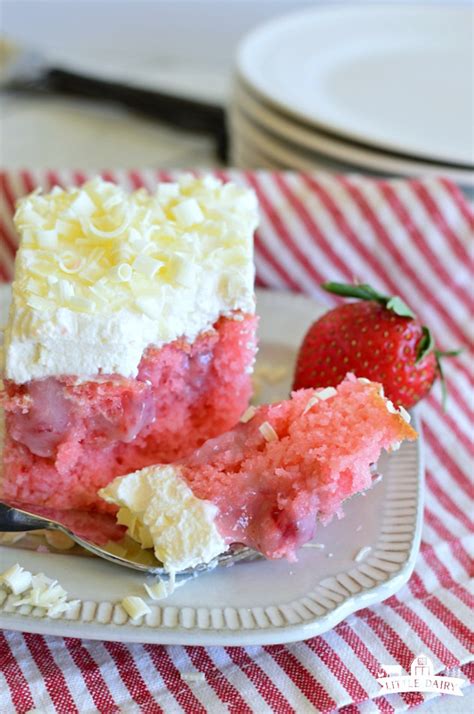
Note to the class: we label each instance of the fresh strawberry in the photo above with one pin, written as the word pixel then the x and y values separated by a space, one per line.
pixel 378 338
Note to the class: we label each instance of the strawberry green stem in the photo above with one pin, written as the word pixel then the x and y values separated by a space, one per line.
pixel 425 345
pixel 363 291
pixel 439 356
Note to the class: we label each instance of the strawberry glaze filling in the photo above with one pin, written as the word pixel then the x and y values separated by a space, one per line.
pixel 64 441
pixel 51 413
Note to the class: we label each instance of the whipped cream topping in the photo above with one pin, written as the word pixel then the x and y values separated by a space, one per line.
pixel 101 274
pixel 161 511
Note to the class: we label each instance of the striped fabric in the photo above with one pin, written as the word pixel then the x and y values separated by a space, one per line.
pixel 412 238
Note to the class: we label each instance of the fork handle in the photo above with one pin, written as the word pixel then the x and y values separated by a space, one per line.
pixel 182 112
pixel 12 520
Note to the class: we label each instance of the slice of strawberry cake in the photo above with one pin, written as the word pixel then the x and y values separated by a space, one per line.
pixel 131 334
pixel 266 482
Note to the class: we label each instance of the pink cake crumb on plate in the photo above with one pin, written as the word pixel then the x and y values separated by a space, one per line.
pixel 66 440
pixel 294 462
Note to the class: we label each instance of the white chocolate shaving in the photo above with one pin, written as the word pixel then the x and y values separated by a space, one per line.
pixel 47 239
pixel 167 191
pixel 311 402
pixel 188 213
pixel 122 272
pixel 37 590
pixel 39 303
pixel 161 589
pixel 156 591
pixel 362 553
pixel 185 273
pixel 320 396
pixel 135 606
pixel 403 412
pixel 82 205
pixel 248 414
pixel 17 579
pixel 81 304
pixel 390 406
pixel 326 393
pixel 147 266
pixel 46 595
pixel 268 432
pixel 89 227
pixel 65 290
pixel 70 263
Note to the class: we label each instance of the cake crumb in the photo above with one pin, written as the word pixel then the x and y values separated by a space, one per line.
pixel 318 546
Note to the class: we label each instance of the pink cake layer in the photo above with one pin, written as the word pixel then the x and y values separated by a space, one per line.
pixel 270 493
pixel 65 441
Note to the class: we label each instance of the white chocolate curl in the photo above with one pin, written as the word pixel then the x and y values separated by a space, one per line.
pixel 268 432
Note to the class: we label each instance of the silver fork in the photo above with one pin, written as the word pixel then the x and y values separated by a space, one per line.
pixel 17 517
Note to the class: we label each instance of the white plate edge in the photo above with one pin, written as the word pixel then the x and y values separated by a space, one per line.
pixel 323 124
pixel 291 155
pixel 336 148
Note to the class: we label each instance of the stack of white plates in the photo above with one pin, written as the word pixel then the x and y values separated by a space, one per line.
pixel 380 89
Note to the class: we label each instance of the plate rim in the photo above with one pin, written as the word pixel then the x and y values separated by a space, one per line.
pixel 269 27
pixel 336 148
pixel 244 125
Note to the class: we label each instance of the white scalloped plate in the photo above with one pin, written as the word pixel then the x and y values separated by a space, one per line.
pixel 286 147
pixel 260 602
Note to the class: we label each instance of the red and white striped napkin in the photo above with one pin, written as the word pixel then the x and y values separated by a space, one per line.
pixel 412 238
